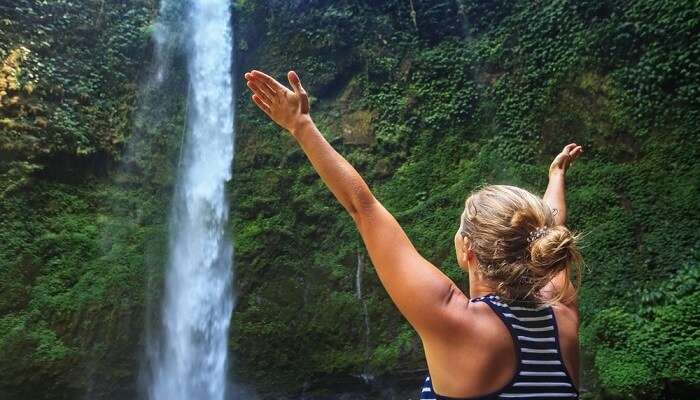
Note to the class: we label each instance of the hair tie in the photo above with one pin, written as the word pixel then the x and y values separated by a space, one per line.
pixel 537 233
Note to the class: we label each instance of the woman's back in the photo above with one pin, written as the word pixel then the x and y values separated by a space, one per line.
pixel 535 350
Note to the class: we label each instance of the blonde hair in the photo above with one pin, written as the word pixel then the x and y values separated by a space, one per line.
pixel 499 221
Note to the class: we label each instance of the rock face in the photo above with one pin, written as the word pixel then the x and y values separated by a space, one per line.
pixel 428 100
pixel 357 128
pixel 356 124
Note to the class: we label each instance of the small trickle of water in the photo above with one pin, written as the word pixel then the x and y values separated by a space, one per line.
pixel 358 292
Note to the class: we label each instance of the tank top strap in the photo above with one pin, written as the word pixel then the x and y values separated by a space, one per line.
pixel 527 322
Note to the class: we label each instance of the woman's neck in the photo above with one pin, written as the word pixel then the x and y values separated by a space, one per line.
pixel 478 286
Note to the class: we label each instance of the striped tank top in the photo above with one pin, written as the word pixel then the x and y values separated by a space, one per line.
pixel 541 373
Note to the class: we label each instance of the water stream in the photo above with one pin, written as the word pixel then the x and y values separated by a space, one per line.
pixel 189 356
pixel 365 315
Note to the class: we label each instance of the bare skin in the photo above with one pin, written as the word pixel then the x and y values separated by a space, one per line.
pixel 459 338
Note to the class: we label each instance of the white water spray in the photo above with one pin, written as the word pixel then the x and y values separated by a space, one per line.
pixel 191 359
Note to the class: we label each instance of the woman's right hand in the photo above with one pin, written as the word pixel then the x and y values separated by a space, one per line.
pixel 289 109
pixel 564 159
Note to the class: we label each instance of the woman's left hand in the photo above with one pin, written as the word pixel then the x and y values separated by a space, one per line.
pixel 289 109
pixel 563 160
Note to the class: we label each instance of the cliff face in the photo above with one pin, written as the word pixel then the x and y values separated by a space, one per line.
pixel 427 99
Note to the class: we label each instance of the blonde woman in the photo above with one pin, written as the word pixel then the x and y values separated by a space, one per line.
pixel 515 334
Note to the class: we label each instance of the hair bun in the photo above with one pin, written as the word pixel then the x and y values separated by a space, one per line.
pixel 552 249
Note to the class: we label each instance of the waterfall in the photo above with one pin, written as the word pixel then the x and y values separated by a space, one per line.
pixel 189 357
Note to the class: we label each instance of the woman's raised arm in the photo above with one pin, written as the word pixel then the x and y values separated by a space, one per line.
pixel 419 289
pixel 555 197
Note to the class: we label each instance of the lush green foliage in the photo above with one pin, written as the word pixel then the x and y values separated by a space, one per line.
pixel 75 83
pixel 647 350
pixel 78 248
pixel 74 261
pixel 428 100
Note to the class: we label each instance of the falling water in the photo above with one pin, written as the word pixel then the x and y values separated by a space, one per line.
pixel 191 358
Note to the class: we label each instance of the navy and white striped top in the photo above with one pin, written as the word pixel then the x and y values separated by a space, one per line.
pixel 541 373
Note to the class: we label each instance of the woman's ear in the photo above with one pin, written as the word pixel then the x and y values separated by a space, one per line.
pixel 469 254
pixel 466 245
pixel 466 250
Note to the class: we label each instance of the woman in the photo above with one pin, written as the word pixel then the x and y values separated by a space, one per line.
pixel 515 334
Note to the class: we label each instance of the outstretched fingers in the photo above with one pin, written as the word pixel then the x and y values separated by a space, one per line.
pixel 569 148
pixel 575 152
pixel 262 91
pixel 270 81
pixel 572 151
pixel 268 93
